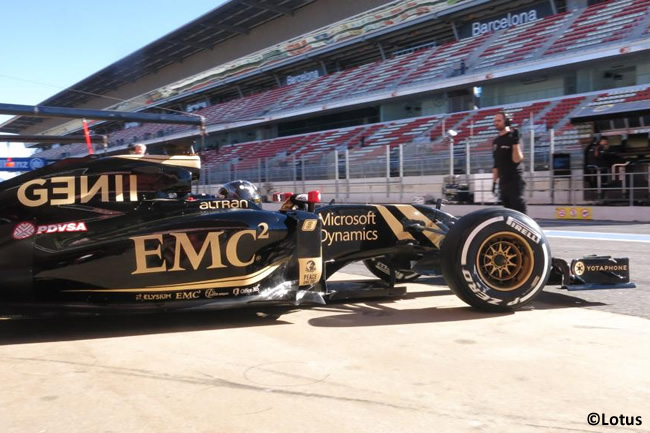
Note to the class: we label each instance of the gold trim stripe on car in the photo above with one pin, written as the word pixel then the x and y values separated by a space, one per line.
pixel 243 280
pixel 412 213
pixel 189 161
pixel 395 226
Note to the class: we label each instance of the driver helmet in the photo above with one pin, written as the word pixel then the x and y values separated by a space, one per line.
pixel 241 190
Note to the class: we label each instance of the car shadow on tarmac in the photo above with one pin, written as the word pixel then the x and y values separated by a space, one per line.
pixel 553 300
pixel 378 313
pixel 361 313
pixel 54 328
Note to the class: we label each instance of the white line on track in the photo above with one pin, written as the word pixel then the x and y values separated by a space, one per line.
pixel 598 236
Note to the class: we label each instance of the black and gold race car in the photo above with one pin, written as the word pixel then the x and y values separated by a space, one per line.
pixel 125 232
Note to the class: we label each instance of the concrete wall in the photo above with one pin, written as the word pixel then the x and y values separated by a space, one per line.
pixel 643 72
pixel 400 110
pixel 427 106
pixel 518 91
pixel 435 105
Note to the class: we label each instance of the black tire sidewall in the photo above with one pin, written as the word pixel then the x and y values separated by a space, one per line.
pixel 384 275
pixel 461 248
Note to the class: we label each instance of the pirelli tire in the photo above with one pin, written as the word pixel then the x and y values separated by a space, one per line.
pixel 380 268
pixel 496 259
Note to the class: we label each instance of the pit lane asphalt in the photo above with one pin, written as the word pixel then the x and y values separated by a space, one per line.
pixel 421 363
pixel 634 302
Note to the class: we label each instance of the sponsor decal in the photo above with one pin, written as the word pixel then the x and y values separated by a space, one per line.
pixel 65 190
pixel 382 267
pixel 185 296
pixel 311 270
pixel 350 220
pixel 212 249
pixel 574 213
pixel 197 294
pixel 309 225
pixel 36 163
pixel 154 297
pixel 505 20
pixel 304 76
pixel 579 268
pixel 339 231
pixel 224 204
pixel 211 293
pixel 25 230
pixel 509 20
pixel 467 275
pixel 255 290
pixel 601 108
pixel 606 268
pixel 524 230
pixel 62 228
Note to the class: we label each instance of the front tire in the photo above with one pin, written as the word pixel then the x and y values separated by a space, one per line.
pixel 496 259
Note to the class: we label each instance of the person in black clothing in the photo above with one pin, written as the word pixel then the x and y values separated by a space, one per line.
pixel 507 170
pixel 590 164
pixel 603 158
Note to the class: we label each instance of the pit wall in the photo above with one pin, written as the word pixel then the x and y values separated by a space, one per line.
pixel 544 202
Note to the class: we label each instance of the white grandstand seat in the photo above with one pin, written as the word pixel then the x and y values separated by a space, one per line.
pixel 641 93
pixel 445 59
pixel 309 147
pixel 520 42
pixel 342 83
pixel 602 23
pixel 300 94
pixel 387 73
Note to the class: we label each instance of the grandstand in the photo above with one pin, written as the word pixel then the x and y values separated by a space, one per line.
pixel 389 78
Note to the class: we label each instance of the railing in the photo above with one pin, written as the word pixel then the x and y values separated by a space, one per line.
pixel 388 173
pixel 425 162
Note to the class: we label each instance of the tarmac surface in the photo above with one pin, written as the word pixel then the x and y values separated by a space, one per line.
pixel 424 362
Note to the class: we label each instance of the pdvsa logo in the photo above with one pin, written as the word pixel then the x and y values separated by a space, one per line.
pixel 26 230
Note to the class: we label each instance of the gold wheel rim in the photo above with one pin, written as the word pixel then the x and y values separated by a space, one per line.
pixel 505 261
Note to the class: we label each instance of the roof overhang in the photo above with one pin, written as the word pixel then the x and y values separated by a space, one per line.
pixel 611 111
pixel 233 18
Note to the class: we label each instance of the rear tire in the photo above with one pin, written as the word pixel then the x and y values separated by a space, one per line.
pixel 496 259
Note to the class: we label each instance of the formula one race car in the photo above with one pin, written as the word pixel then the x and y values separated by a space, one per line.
pixel 123 232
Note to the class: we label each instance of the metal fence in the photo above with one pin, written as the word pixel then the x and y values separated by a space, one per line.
pixel 381 161
pixel 399 171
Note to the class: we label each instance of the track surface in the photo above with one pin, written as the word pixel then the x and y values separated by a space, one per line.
pixel 422 363
pixel 574 240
